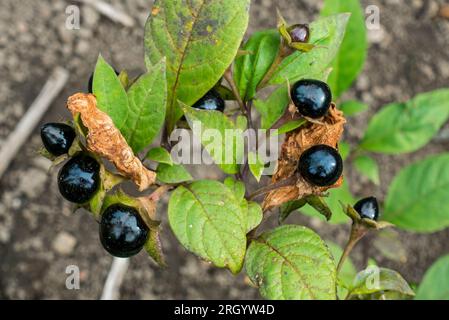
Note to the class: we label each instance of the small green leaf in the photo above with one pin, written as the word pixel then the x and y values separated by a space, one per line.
pixel 327 33
pixel 435 284
pixel 272 108
pixel 175 173
pixel 291 262
pixel 353 50
pixel 367 167
pixel 200 39
pixel 254 216
pixel 147 100
pixel 207 219
pixel 236 187
pixel 342 194
pixel 222 151
pixel 110 94
pixel 160 155
pixel 289 207
pixel 154 247
pixel 320 205
pixel 380 280
pixel 417 196
pixel 292 125
pixel 250 69
pixel 256 165
pixel 406 127
pixel 351 108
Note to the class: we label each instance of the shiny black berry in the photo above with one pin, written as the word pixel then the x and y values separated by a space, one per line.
pixel 210 101
pixel 368 208
pixel 57 138
pixel 299 33
pixel 122 231
pixel 312 98
pixel 321 165
pixel 91 81
pixel 79 178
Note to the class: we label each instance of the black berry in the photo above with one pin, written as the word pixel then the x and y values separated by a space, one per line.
pixel 123 233
pixel 312 98
pixel 210 101
pixel 57 137
pixel 91 81
pixel 321 165
pixel 368 208
pixel 299 33
pixel 79 178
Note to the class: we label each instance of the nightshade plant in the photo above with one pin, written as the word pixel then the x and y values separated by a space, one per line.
pixel 196 58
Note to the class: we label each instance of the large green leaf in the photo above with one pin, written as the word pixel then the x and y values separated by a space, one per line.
pixel 249 69
pixel 208 220
pixel 200 39
pixel 291 262
pixel 110 94
pixel 226 154
pixel 417 197
pixel 435 284
pixel 147 102
pixel 327 33
pixel 406 127
pixel 375 280
pixel 352 54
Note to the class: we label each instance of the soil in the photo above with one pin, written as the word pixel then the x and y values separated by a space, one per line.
pixel 39 234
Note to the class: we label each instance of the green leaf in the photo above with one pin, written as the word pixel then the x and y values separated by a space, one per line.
pixel 417 196
pixel 351 108
pixel 435 284
pixel 147 100
pixel 345 149
pixel 291 262
pixel 292 125
pixel 367 167
pixel 389 244
pixel 175 173
pixel 353 50
pixel 110 94
pixel 237 187
pixel 327 33
pixel 207 219
pixel 342 194
pixel 406 127
pixel 256 165
pixel 153 246
pixel 320 205
pixel 289 207
pixel 250 69
pixel 160 155
pixel 200 39
pixel 254 216
pixel 347 272
pixel 380 280
pixel 223 152
pixel 272 108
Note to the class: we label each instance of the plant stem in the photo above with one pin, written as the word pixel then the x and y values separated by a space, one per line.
pixel 280 184
pixel 230 79
pixel 357 233
pixel 283 52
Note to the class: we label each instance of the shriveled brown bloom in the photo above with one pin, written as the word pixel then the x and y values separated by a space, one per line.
pixel 106 140
pixel 296 142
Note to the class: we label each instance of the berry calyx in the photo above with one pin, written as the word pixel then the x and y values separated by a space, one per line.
pixel 321 165
pixel 368 208
pixel 299 33
pixel 210 101
pixel 312 98
pixel 123 232
pixel 91 81
pixel 57 138
pixel 79 179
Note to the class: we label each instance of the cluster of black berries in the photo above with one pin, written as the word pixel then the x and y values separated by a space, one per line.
pixel 123 233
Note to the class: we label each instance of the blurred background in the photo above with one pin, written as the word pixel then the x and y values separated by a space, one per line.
pixel 39 234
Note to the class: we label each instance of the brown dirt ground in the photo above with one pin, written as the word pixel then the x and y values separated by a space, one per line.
pixel 407 56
